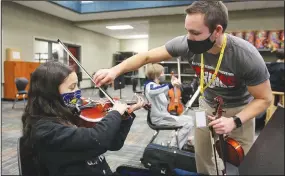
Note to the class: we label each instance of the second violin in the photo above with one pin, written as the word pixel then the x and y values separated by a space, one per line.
pixel 175 106
pixel 228 148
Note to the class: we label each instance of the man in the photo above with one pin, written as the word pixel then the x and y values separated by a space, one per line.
pixel 242 77
pixel 276 70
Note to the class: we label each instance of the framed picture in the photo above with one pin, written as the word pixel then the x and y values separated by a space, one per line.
pixel 260 39
pixel 249 36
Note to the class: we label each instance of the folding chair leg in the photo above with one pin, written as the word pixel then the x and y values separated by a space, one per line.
pixel 177 141
pixel 24 100
pixel 16 99
pixel 154 136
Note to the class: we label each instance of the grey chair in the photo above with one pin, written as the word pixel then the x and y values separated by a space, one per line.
pixel 21 84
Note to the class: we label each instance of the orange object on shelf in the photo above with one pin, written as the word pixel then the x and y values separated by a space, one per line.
pixel 13 70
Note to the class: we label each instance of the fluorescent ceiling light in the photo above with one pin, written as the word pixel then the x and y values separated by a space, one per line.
pixel 85 2
pixel 119 27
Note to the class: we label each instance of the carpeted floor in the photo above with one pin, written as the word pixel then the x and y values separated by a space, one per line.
pixel 131 152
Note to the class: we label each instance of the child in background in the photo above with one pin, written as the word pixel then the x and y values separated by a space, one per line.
pixel 156 95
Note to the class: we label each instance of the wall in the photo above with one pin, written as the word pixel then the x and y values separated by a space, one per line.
pixel 164 28
pixel 135 45
pixel 21 25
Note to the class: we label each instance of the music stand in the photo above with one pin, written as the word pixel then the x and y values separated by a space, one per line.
pixel 119 83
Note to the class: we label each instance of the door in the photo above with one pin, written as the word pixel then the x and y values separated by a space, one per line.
pixel 75 52
pixel 71 63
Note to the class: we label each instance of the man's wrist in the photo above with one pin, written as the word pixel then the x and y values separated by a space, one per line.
pixel 237 121
pixel 117 70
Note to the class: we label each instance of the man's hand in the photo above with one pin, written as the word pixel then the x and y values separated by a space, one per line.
pixel 222 125
pixel 104 76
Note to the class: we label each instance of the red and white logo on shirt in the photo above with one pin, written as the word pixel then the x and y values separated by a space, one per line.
pixel 223 79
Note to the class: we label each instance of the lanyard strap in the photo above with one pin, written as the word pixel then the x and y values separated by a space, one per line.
pixel 217 67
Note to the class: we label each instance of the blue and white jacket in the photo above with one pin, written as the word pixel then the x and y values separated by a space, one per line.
pixel 157 94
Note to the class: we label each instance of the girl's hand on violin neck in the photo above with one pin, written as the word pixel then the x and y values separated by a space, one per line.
pixel 222 125
pixel 120 107
pixel 140 103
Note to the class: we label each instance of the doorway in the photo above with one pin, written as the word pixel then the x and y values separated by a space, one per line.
pixel 75 51
pixel 53 51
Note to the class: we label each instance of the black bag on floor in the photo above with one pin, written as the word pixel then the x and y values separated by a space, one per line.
pixel 129 170
pixel 165 159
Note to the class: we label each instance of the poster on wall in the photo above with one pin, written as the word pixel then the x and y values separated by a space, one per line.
pixel 249 36
pixel 274 40
pixel 282 39
pixel 260 39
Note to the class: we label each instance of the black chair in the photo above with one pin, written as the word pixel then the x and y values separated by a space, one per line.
pixel 21 84
pixel 19 155
pixel 157 128
pixel 27 164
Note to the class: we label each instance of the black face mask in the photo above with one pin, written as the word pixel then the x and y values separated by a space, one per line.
pixel 198 47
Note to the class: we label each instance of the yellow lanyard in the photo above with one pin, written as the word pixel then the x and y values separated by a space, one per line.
pixel 216 70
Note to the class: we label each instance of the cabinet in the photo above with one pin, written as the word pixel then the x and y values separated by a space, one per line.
pixel 13 70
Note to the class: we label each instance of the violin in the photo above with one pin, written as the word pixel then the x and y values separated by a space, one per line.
pixel 91 111
pixel 229 149
pixel 95 110
pixel 175 106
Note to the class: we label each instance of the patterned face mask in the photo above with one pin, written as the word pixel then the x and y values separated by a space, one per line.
pixel 71 98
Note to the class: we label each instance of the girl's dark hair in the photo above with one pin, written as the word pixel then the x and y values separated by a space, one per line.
pixel 44 99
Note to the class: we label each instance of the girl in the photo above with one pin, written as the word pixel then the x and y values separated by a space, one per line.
pixel 50 130
pixel 156 95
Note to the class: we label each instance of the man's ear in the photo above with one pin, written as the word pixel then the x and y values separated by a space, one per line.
pixel 219 30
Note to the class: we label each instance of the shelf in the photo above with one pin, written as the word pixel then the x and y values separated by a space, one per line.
pixel 267 50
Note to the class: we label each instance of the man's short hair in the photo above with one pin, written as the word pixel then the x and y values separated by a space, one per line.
pixel 216 13
pixel 153 71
